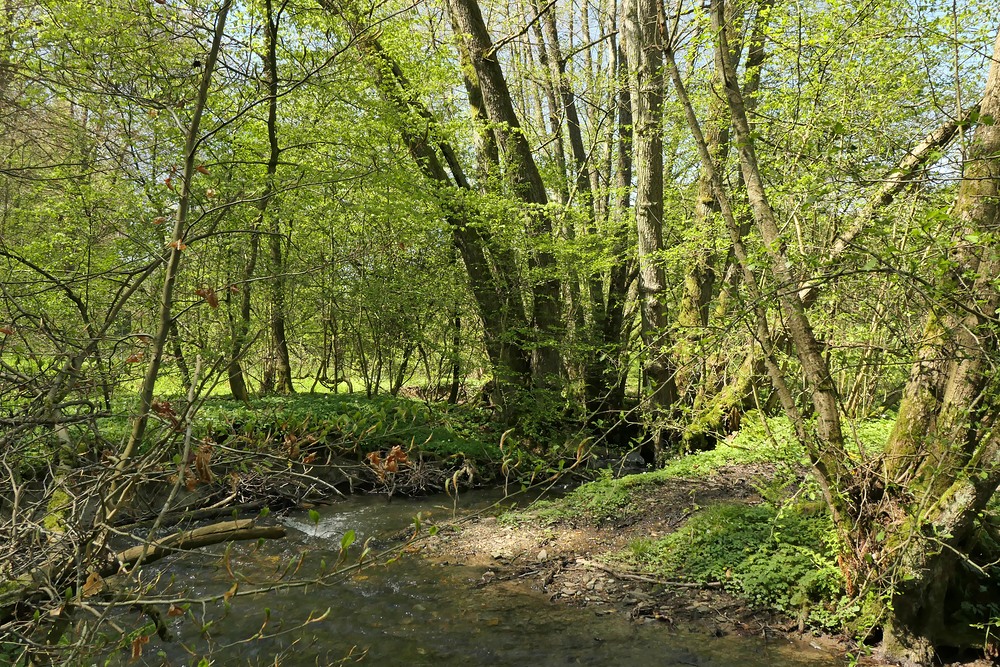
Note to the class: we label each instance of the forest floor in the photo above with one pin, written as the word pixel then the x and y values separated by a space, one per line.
pixel 576 559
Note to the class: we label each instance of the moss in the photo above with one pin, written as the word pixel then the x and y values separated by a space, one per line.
pixel 56 510
pixel 772 442
pixel 599 500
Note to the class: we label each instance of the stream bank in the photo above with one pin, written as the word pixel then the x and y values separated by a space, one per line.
pixel 584 557
pixel 571 559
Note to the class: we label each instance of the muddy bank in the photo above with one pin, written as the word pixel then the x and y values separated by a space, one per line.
pixel 571 560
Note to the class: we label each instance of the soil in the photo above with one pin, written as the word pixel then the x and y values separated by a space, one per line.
pixel 566 560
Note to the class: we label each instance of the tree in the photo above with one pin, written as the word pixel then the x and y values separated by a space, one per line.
pixel 644 54
pixel 522 177
pixel 913 515
pixel 942 462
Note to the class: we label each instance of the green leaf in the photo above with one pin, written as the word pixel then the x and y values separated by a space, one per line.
pixel 347 540
pixel 314 516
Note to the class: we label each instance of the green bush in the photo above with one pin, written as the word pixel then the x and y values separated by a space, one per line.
pixel 712 543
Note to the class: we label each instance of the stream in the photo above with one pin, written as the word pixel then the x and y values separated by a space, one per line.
pixel 411 611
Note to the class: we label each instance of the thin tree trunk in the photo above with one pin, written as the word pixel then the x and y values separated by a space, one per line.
pixel 606 390
pixel 716 413
pixel 176 245
pixel 279 338
pixel 237 380
pixel 182 367
pixel 596 365
pixel 456 361
pixel 829 463
pixel 809 351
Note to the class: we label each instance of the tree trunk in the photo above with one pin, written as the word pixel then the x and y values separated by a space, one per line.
pixel 944 450
pixel 492 284
pixel 279 338
pixel 176 246
pixel 599 360
pixel 814 365
pixel 521 175
pixel 237 379
pixel 644 49
pixel 606 384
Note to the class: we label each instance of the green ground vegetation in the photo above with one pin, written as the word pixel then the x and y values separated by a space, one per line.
pixel 778 553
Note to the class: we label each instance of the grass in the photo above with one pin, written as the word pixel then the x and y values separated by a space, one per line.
pixel 783 558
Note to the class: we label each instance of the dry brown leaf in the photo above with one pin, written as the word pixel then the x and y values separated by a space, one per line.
pixel 209 295
pixel 93 585
pixel 202 464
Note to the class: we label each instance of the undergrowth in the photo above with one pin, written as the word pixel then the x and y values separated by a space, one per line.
pixel 783 558
pixel 352 423
pixel 348 424
pixel 779 554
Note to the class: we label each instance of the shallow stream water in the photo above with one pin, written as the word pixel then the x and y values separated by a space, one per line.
pixel 412 612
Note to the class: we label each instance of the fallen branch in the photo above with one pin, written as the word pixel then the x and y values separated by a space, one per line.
pixel 619 574
pixel 226 531
pixel 24 587
pixel 175 517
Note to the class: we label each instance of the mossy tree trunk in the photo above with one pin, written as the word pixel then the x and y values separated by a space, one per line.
pixel 488 266
pixel 943 456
